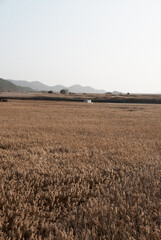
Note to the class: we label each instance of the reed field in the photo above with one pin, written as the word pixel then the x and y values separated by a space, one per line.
pixel 76 171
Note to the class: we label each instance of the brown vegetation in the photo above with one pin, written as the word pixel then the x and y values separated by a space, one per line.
pixel 79 171
pixel 76 97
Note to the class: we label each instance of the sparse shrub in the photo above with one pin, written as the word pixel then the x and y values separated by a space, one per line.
pixel 64 91
pixel 50 92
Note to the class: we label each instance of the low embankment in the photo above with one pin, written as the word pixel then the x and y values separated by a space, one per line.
pixel 134 98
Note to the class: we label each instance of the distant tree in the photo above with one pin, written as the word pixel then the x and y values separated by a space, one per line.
pixel 50 92
pixel 64 91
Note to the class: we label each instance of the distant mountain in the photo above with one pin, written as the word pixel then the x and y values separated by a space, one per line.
pixel 116 93
pixel 7 86
pixel 57 88
pixel 38 86
pixel 86 89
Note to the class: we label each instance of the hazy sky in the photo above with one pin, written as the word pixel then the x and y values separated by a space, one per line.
pixel 107 44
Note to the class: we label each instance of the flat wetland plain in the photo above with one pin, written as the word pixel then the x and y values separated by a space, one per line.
pixel 70 170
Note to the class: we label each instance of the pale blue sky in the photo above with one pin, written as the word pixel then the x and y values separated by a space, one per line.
pixel 109 44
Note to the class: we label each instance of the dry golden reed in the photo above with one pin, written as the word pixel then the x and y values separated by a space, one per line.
pixel 73 171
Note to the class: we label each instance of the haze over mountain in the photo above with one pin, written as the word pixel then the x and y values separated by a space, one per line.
pixel 38 86
pixel 7 86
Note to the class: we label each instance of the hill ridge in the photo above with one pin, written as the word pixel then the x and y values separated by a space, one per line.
pixel 39 86
pixel 7 86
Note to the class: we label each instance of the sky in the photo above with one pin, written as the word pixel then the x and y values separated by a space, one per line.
pixel 106 44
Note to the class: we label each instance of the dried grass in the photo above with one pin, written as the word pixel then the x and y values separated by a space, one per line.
pixel 76 171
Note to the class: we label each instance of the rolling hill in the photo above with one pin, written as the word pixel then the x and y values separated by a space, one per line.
pixel 7 86
pixel 38 86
